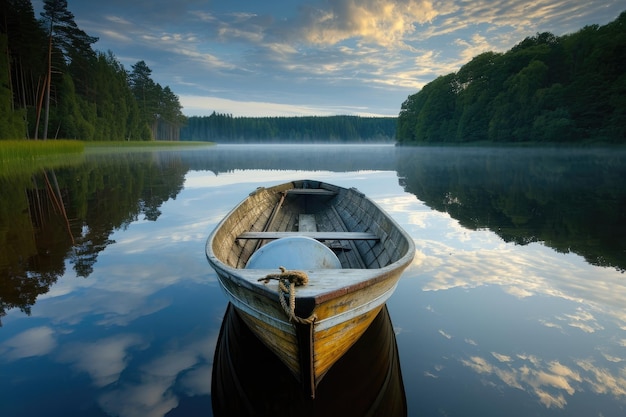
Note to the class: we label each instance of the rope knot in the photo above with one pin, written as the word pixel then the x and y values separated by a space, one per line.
pixel 299 278
pixel 287 283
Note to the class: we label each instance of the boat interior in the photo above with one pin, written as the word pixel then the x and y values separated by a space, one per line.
pixel 350 225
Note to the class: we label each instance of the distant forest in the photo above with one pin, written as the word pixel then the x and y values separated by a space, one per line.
pixel 545 89
pixel 54 85
pixel 224 128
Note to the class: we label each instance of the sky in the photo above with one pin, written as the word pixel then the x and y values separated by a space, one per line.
pixel 316 57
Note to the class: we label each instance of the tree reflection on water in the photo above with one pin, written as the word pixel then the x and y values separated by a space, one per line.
pixel 570 200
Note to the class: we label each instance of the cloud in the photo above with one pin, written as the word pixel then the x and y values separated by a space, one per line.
pixel 551 400
pixel 550 382
pixel 329 54
pixel 151 397
pixel 583 320
pixel 473 47
pixel 550 324
pixel 197 381
pixel 444 334
pixel 37 341
pixel 152 393
pixel 500 357
pixel 105 359
pixel 117 306
pixel 478 364
pixel 612 358
pixel 244 27
pixel 554 380
pixel 520 15
pixel 520 271
pixel 602 380
pixel 527 378
pixel 380 22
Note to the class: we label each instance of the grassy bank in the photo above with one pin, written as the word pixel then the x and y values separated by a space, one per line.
pixel 28 150
pixel 19 157
pixel 28 156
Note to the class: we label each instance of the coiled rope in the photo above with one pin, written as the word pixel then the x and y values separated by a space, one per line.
pixel 287 283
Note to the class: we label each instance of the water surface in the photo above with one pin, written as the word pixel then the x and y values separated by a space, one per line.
pixel 514 304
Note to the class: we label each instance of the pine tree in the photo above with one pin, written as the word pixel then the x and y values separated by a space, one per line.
pixel 65 36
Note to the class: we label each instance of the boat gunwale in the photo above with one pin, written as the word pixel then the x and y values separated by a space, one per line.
pixel 322 324
pixel 248 277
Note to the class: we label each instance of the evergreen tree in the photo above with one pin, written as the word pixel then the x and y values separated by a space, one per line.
pixel 65 36
pixel 11 121
pixel 88 94
pixel 146 93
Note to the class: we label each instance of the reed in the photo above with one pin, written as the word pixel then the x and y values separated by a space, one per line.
pixel 33 149
pixel 27 156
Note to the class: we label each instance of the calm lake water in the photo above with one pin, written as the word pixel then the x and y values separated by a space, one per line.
pixel 515 304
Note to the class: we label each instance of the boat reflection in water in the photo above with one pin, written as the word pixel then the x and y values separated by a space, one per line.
pixel 249 380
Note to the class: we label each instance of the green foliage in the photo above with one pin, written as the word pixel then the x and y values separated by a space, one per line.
pixel 226 128
pixel 91 93
pixel 159 107
pixel 11 121
pixel 545 89
pixel 28 156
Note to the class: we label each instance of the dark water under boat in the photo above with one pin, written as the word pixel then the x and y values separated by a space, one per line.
pixel 248 379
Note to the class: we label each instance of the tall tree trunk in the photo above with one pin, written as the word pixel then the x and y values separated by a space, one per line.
pixel 39 106
pixel 47 115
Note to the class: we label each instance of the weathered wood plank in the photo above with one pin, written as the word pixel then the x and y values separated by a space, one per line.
pixel 311 191
pixel 357 256
pixel 306 223
pixel 332 343
pixel 276 341
pixel 314 235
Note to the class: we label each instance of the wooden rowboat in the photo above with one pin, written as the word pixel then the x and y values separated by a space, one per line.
pixel 345 248
pixel 247 379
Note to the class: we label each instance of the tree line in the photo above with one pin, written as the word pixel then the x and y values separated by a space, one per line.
pixel 545 89
pixel 53 84
pixel 225 128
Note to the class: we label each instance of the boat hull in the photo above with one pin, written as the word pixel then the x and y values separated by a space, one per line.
pixel 336 307
pixel 249 379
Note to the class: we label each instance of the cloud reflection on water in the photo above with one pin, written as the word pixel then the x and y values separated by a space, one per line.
pixel 103 359
pixel 551 382
pixel 451 258
pixel 480 258
pixel 152 392
pixel 37 341
pixel 144 369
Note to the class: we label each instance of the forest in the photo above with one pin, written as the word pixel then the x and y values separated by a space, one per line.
pixel 224 128
pixel 567 89
pixel 53 84
pixel 546 89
